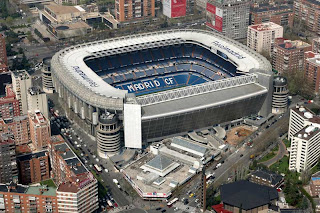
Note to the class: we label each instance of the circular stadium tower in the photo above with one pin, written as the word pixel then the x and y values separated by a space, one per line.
pixel 280 95
pixel 46 76
pixel 162 83
pixel 108 135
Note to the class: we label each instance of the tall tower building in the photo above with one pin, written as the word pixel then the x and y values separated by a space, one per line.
pixel 3 55
pixel 8 164
pixel 228 17
pixel 21 82
pixel 280 95
pixel 46 76
pixel 40 131
pixel 261 37
pixel 127 10
pixel 37 100
pixel 108 135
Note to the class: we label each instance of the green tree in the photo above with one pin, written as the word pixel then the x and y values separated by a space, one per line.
pixel 298 83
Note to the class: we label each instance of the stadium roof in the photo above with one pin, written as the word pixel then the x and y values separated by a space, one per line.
pixel 189 145
pixel 215 98
pixel 69 67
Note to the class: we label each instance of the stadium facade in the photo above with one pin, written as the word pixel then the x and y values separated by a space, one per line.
pixel 163 83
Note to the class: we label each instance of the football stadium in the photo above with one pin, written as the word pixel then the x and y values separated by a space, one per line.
pixel 162 84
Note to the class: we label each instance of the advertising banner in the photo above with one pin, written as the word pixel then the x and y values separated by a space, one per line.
pixel 178 8
pixel 214 17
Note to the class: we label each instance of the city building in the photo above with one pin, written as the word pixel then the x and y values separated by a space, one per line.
pixel 47 84
pixel 130 10
pixel 312 70
pixel 22 198
pixel 3 55
pixel 77 188
pixel 304 136
pixel 288 55
pixel 8 163
pixel 261 37
pixel 309 12
pixel 39 129
pixel 21 82
pixel 174 8
pixel 64 21
pixel 37 100
pixel 73 2
pixel 246 196
pixel 316 45
pixel 228 17
pixel 280 95
pixel 33 167
pixel 315 185
pixel 108 135
pixel 18 127
pixel 268 178
pixel 9 105
pixel 271 12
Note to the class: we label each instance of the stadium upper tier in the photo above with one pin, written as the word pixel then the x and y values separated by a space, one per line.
pixel 92 71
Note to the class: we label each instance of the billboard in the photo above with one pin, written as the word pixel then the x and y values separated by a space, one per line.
pixel 214 17
pixel 174 8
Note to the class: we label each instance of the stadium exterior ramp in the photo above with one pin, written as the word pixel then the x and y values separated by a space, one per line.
pixel 85 95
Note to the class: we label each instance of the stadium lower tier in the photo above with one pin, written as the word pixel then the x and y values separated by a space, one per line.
pixel 157 84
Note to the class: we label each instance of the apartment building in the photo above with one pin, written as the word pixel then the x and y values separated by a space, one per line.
pixel 267 178
pixel 316 45
pixel 21 82
pixel 8 164
pixel 228 17
pixel 9 105
pixel 37 100
pixel 18 127
pixel 309 12
pixel 77 188
pixel 130 10
pixel 315 185
pixel 3 55
pixel 33 167
pixel 304 133
pixel 39 129
pixel 261 37
pixel 22 198
pixel 312 69
pixel 288 55
pixel 270 12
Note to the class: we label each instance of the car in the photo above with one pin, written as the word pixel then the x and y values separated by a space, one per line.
pixel 158 208
pixel 241 155
pixel 176 209
pixel 115 205
pixel 106 170
pixel 191 195
pixel 94 156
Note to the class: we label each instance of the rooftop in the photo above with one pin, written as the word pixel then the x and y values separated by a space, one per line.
pixel 246 195
pixel 188 144
pixel 289 45
pixel 41 190
pixel 32 155
pixel 61 9
pixel 160 162
pixel 308 132
pixel 64 151
pixel 268 175
pixel 17 188
pixel 265 26
pixel 76 166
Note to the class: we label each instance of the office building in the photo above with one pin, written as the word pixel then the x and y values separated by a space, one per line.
pixel 288 55
pixel 9 105
pixel 37 100
pixel 33 167
pixel 39 129
pixel 281 14
pixel 3 55
pixel 22 198
pixel 312 70
pixel 316 45
pixel 309 12
pixel 18 127
pixel 304 132
pixel 77 188
pixel 228 17
pixel 21 82
pixel 261 37
pixel 130 10
pixel 8 164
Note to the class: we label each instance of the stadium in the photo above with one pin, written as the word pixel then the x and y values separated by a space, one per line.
pixel 162 83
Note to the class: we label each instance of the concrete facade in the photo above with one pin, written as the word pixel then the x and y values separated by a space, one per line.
pixel 40 130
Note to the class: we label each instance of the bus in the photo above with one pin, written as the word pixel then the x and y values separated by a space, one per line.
pixel 97 168
pixel 170 203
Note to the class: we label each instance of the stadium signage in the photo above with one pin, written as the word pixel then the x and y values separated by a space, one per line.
pixel 150 84
pixel 84 76
pixel 238 55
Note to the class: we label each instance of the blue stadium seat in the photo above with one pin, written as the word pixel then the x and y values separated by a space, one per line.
pixel 167 52
pixel 181 79
pixel 160 70
pixel 171 69
pixel 129 76
pixel 156 54
pixel 188 50
pixel 140 74
pixel 177 51
pixel 197 68
pixel 150 72
pixel 108 80
pixel 136 58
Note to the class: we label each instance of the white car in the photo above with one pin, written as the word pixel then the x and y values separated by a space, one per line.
pixel 94 156
pixel 106 170
pixel 97 159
